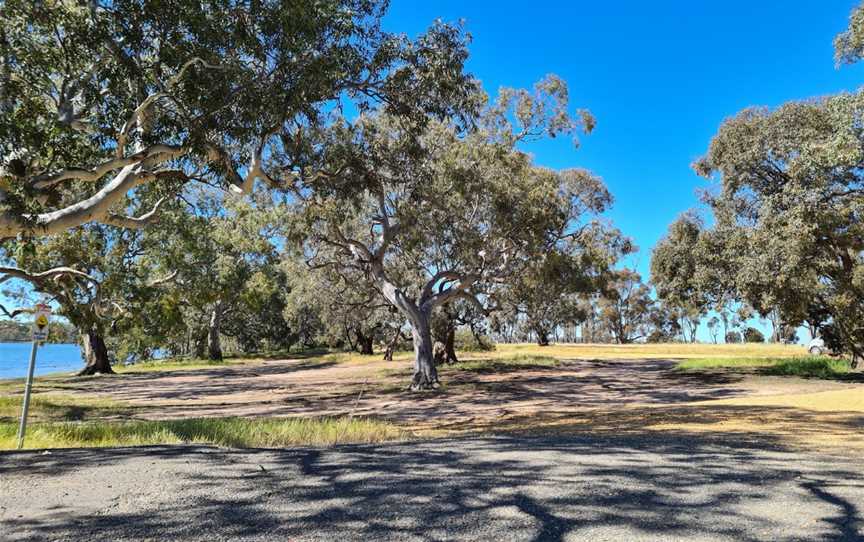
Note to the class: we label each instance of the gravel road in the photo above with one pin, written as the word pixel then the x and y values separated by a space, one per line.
pixel 501 488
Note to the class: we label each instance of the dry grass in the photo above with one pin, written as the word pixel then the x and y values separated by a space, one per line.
pixel 500 365
pixel 850 399
pixel 834 415
pixel 595 351
pixel 232 432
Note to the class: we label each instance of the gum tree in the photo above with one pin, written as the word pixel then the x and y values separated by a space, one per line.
pixel 549 292
pixel 789 207
pixel 677 275
pixel 113 276
pixel 462 210
pixel 99 98
pixel 626 307
pixel 346 304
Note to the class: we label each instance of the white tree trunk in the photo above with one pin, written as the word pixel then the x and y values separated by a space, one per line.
pixel 425 374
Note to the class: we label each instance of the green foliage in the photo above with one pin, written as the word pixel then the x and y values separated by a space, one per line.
pixel 175 89
pixel 753 335
pixel 59 332
pixel 625 307
pixel 733 337
pixel 849 45
pixel 466 341
pixel 815 367
pixel 788 235
pixel 339 309
pixel 548 293
pixel 677 275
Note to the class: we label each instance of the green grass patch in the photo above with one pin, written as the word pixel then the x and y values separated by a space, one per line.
pixel 228 432
pixel 815 367
pixel 156 366
pixel 809 366
pixel 60 408
pixel 515 363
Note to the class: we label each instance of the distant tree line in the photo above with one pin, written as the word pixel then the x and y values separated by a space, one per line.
pixel 13 332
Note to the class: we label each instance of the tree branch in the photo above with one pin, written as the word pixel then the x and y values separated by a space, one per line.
pixel 95 208
pixel 161 152
pixel 8 273
pixel 447 275
pixel 457 290
pixel 134 223
pixel 163 280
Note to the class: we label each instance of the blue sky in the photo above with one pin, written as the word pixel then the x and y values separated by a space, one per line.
pixel 659 76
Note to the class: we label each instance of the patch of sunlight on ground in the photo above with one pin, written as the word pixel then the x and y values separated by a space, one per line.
pixel 845 400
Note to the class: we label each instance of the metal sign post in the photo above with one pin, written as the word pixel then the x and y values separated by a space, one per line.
pixel 41 318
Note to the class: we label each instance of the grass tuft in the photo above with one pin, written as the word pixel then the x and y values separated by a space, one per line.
pixel 227 432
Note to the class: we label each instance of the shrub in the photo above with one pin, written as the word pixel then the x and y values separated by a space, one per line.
pixel 465 341
pixel 733 337
pixel 753 335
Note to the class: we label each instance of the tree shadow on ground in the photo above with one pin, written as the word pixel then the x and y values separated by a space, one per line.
pixel 516 488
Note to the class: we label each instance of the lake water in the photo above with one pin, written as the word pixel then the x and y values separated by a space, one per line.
pixel 50 358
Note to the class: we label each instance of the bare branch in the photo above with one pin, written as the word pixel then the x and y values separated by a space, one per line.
pixel 160 281
pixel 162 153
pixel 13 313
pixel 95 208
pixel 134 223
pixel 7 273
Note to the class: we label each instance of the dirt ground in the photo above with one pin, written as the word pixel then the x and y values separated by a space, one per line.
pixel 610 395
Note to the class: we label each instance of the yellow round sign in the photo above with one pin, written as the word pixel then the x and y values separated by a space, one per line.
pixel 42 320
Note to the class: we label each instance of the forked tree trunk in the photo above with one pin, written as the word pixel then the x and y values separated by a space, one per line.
pixel 95 354
pixel 214 345
pixel 425 374
pixel 391 346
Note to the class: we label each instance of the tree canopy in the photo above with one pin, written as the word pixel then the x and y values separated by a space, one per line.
pixel 99 98
pixel 789 211
pixel 432 213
